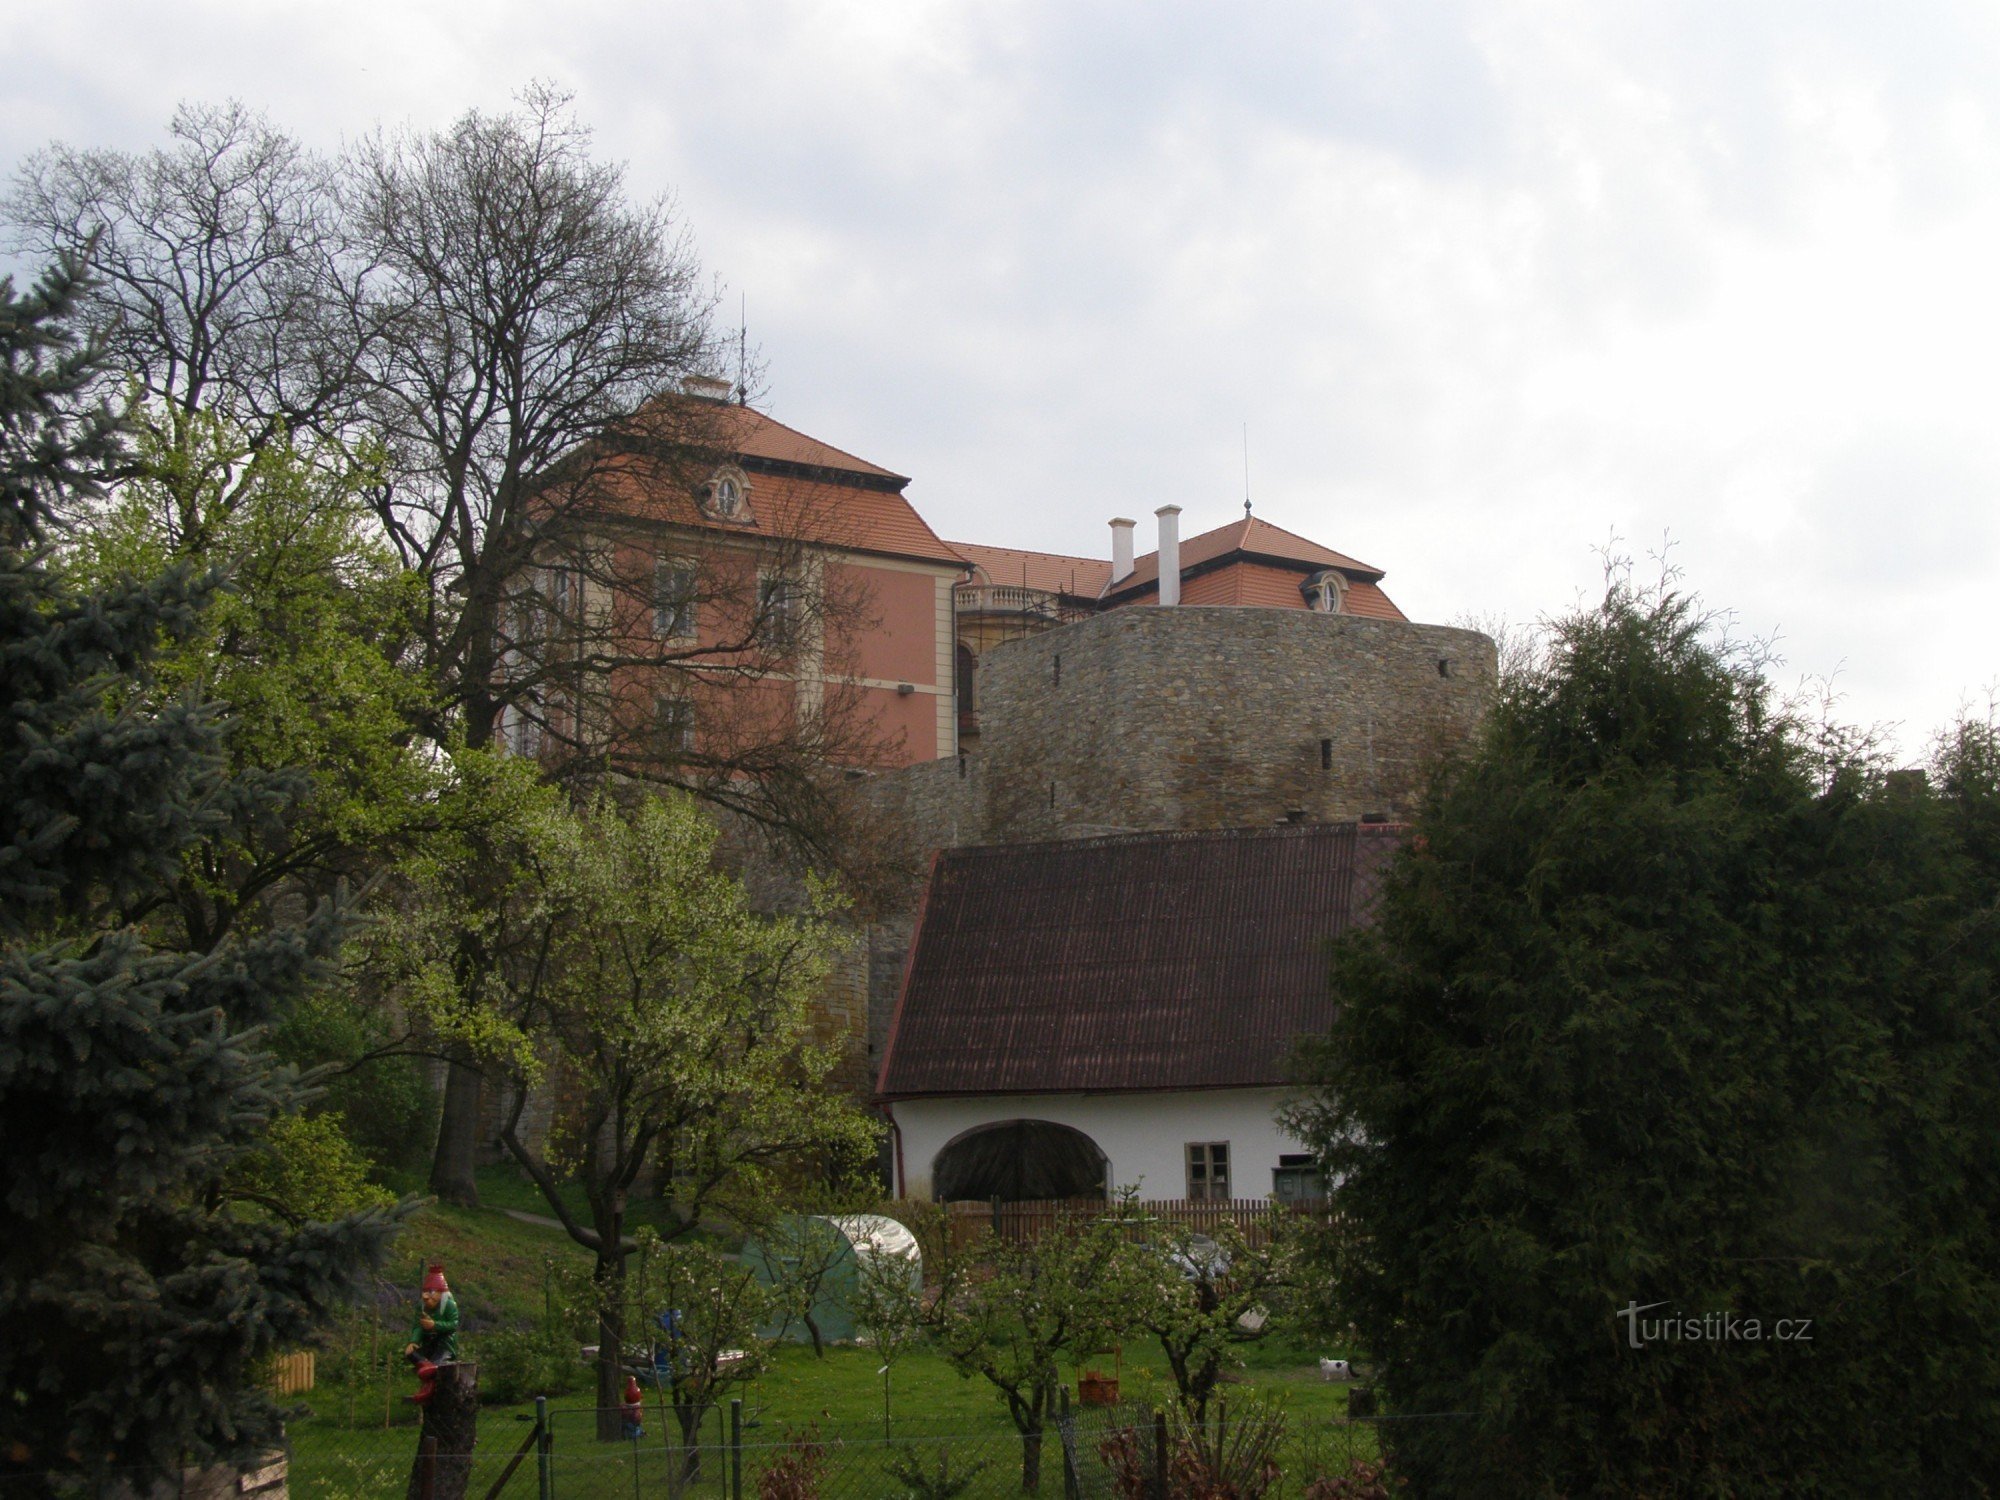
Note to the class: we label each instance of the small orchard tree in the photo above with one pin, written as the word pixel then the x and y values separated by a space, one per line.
pixel 703 1310
pixel 676 1020
pixel 1011 1311
pixel 889 1312
pixel 1203 1297
pixel 799 1252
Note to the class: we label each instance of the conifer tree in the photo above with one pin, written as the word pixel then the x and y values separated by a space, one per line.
pixel 1662 1098
pixel 137 1300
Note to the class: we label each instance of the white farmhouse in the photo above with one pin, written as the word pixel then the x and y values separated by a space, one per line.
pixel 1097 1013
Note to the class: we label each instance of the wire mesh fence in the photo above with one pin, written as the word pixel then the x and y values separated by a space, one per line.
pixel 1082 1454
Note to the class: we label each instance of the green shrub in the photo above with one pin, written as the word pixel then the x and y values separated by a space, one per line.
pixel 922 1481
pixel 519 1364
pixel 389 1106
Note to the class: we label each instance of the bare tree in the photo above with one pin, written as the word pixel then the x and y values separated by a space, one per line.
pixel 221 266
pixel 488 305
pixel 532 335
pixel 522 307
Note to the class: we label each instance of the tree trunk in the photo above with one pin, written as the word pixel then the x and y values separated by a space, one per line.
pixel 688 1415
pixel 1031 1459
pixel 608 1280
pixel 458 1138
pixel 452 1417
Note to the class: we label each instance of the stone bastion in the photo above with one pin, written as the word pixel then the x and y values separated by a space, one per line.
pixel 1199 717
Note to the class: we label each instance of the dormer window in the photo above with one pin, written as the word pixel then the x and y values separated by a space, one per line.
pixel 726 496
pixel 1323 591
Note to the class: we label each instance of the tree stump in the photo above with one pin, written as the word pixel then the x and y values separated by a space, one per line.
pixel 452 1417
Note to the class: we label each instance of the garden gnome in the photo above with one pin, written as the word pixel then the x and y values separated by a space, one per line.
pixel 434 1336
pixel 634 1409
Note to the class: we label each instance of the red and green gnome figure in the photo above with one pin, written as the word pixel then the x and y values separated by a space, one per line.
pixel 434 1336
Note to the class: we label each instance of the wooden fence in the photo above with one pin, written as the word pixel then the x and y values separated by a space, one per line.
pixel 1031 1219
pixel 292 1374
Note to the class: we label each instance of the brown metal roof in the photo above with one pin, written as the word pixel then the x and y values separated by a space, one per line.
pixel 1141 962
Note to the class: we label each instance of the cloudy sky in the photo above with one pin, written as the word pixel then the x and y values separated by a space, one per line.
pixel 1489 284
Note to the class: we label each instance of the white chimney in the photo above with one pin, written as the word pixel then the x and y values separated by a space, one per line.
pixel 1121 548
pixel 1170 553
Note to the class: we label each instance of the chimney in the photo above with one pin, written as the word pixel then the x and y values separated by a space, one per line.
pixel 1170 554
pixel 1121 549
pixel 706 387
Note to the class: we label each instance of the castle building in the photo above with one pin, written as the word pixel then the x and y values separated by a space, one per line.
pixel 775 538
pixel 1149 788
pixel 848 534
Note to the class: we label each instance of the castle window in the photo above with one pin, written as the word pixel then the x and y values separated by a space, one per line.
pixel 1323 591
pixel 1208 1171
pixel 968 671
pixel 673 726
pixel 780 606
pixel 519 730
pixel 726 496
pixel 673 598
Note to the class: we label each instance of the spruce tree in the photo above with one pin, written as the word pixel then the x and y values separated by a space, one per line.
pixel 137 1300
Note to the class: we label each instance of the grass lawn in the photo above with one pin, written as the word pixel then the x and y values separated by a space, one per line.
pixel 838 1398
pixel 499 1264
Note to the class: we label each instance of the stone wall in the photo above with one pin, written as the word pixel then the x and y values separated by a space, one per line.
pixel 1150 719
pixel 1190 718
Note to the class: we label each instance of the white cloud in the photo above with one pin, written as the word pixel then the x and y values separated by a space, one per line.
pixel 1486 282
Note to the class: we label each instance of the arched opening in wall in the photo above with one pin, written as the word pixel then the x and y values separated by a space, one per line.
pixel 1016 1160
pixel 968 670
pixel 966 687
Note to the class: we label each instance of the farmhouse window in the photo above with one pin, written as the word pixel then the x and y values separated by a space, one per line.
pixel 1208 1171
pixel 1296 1179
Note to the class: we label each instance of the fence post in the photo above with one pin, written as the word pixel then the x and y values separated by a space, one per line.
pixel 1160 1453
pixel 735 1448
pixel 1066 1441
pixel 545 1479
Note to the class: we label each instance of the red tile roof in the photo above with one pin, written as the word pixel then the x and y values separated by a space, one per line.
pixel 800 488
pixel 753 435
pixel 1259 538
pixel 1142 962
pixel 1052 572
pixel 1244 582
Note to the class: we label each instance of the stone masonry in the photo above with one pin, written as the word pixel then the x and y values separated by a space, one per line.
pixel 1174 719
